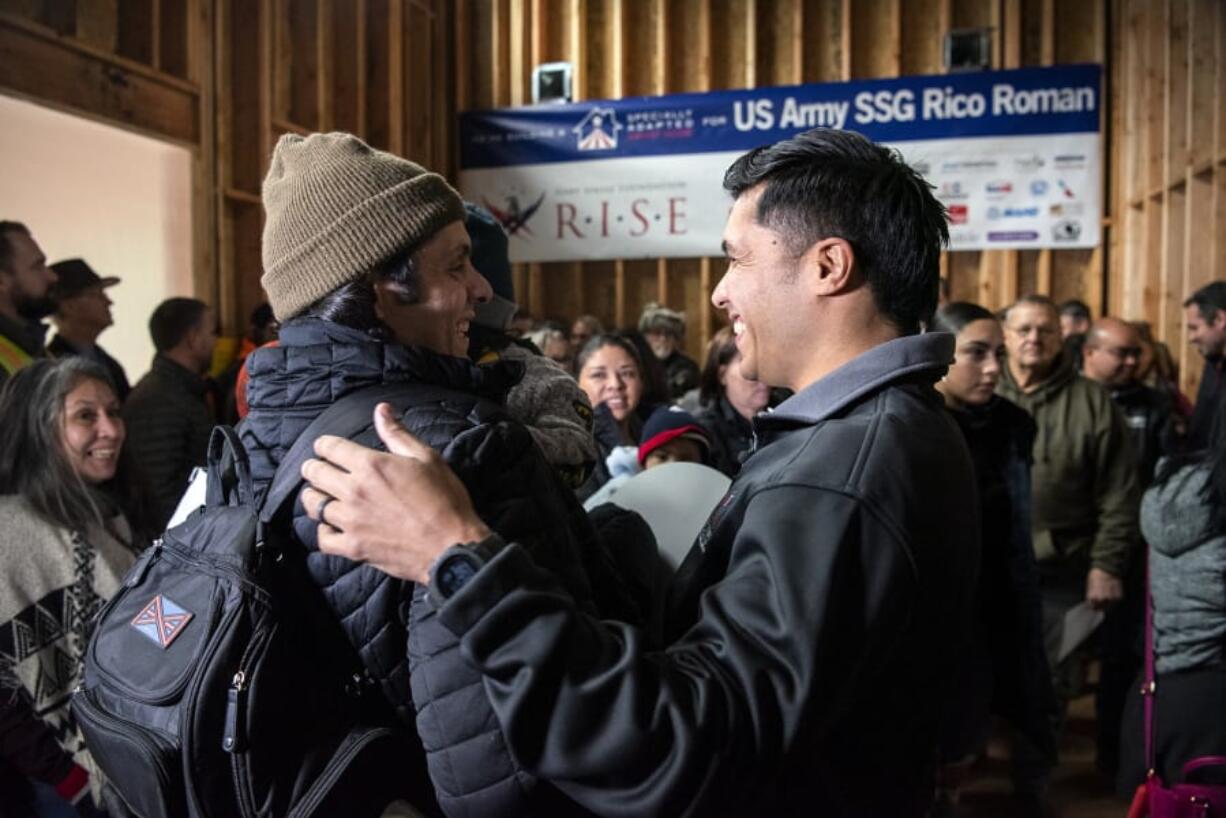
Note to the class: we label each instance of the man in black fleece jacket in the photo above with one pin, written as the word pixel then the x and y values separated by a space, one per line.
pixel 813 625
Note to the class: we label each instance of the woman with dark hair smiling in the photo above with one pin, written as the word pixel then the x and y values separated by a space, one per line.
pixel 1004 667
pixel 65 545
pixel 727 402
pixel 610 371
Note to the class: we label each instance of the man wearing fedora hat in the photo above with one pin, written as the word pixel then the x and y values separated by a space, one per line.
pixel 82 312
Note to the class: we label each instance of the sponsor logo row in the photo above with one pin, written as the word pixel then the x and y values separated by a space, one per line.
pixel 961 213
pixel 1065 230
pixel 1026 163
pixel 956 190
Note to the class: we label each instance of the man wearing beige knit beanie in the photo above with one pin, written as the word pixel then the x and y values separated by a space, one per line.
pixel 366 266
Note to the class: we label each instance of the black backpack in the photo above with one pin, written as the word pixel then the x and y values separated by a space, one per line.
pixel 217 682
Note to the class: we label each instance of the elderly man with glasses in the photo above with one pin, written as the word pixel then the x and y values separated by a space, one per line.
pixel 1084 486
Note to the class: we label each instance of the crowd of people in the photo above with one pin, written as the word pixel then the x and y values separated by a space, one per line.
pixel 927 498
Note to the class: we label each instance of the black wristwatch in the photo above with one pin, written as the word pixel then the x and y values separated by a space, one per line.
pixel 458 564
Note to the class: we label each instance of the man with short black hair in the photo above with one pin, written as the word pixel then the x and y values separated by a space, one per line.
pixel 1074 317
pixel 812 630
pixel 1205 312
pixel 167 414
pixel 1074 322
pixel 25 280
pixel 82 312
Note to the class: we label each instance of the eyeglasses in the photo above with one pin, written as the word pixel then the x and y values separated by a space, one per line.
pixel 1122 353
pixel 1042 330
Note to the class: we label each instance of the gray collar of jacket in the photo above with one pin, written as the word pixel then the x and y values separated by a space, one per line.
pixel 931 353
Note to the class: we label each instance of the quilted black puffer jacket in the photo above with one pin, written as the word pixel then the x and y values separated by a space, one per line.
pixel 419 667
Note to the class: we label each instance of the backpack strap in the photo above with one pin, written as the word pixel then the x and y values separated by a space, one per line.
pixel 345 418
pixel 229 470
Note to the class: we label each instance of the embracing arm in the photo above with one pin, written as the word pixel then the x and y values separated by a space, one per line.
pixel 805 614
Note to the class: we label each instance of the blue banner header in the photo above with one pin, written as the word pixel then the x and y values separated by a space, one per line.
pixel 1027 101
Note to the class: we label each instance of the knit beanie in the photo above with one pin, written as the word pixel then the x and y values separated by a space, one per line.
pixel 335 208
pixel 669 423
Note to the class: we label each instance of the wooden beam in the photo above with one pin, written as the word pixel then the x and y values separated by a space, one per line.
pixel 40 66
pixel 97 23
pixel 619 293
pixel 325 73
pixel 536 289
pixel 845 41
pixel 520 73
pixel 200 25
pixel 462 61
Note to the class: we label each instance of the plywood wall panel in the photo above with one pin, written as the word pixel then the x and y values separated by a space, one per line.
pixel 876 38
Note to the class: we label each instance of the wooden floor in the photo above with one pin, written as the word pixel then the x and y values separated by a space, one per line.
pixel 1078 789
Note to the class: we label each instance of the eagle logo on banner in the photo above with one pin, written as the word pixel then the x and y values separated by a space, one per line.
pixel 162 620
pixel 514 217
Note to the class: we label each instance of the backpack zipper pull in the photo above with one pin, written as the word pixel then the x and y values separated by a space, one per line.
pixel 136 574
pixel 233 740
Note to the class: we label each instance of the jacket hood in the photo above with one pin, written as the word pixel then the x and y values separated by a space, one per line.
pixel 1174 515
pixel 928 355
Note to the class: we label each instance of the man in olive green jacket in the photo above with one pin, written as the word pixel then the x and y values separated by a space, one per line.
pixel 1084 485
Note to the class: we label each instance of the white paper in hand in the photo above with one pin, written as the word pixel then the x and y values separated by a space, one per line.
pixel 675 499
pixel 1080 621
pixel 192 499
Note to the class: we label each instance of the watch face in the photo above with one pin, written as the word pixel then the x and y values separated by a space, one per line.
pixel 455 573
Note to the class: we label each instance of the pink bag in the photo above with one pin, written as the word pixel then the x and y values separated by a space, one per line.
pixel 1154 799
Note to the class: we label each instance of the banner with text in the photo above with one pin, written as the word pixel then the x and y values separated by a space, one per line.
pixel 1014 155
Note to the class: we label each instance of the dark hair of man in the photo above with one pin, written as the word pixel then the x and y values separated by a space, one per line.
pixel 353 304
pixel 721 349
pixel 1034 299
pixel 1075 308
pixel 607 339
pixel 1209 299
pixel 33 462
pixel 826 183
pixel 953 317
pixel 6 249
pixel 173 319
pixel 261 316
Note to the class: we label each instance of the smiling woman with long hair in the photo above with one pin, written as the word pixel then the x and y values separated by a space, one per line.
pixel 65 544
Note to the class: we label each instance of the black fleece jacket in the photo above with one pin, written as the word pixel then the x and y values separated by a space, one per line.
pixel 813 626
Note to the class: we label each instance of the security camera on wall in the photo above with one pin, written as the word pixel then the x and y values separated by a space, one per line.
pixel 551 82
pixel 968 49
